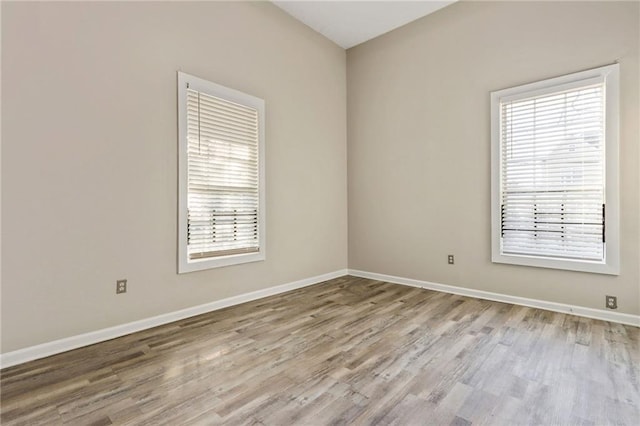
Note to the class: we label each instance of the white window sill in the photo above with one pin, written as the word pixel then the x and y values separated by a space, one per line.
pixel 218 262
pixel 554 263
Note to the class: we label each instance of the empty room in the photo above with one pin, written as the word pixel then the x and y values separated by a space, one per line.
pixel 320 212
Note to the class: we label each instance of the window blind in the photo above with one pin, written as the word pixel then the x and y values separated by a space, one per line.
pixel 222 162
pixel 552 174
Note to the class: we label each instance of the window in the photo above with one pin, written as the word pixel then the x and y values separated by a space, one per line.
pixel 221 176
pixel 555 173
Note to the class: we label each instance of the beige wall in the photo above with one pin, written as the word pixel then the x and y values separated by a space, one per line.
pixel 89 140
pixel 419 142
pixel 89 150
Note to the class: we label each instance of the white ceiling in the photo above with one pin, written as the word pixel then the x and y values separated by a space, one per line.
pixel 349 23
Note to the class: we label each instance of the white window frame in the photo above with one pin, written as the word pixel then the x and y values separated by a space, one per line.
pixel 195 83
pixel 611 263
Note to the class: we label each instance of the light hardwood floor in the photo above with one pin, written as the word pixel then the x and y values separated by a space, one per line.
pixel 348 351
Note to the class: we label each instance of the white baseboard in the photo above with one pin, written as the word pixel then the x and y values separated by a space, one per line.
pixel 57 346
pixel 515 300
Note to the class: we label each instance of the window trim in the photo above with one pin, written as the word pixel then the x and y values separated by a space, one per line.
pixel 184 264
pixel 611 263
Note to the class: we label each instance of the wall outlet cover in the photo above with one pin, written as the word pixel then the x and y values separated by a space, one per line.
pixel 121 286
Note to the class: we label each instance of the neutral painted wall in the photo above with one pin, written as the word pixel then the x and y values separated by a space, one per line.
pixel 89 150
pixel 89 140
pixel 419 142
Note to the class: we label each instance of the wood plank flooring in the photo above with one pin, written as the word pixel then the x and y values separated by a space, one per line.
pixel 347 351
